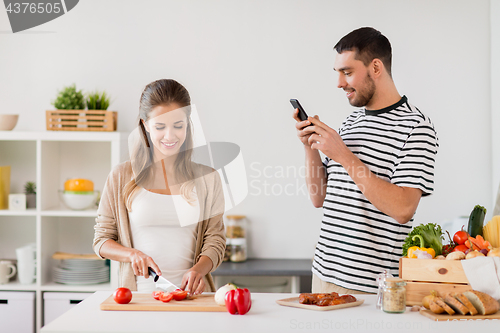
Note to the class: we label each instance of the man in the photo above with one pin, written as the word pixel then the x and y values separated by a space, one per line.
pixel 376 169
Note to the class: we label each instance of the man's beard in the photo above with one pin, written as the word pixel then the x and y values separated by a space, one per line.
pixel 363 96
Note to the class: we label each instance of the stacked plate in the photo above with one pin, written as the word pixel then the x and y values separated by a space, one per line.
pixel 81 271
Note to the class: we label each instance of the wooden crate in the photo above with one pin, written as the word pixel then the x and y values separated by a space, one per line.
pixel 424 275
pixel 81 120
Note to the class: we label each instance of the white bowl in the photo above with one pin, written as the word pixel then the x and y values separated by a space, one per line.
pixel 8 121
pixel 79 201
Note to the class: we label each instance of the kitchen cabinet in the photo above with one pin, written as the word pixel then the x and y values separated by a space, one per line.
pixel 267 275
pixel 49 159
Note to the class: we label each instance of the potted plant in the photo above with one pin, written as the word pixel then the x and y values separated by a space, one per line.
pixel 97 100
pixel 30 191
pixel 75 118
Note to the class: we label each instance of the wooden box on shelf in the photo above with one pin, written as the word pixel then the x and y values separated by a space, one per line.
pixel 81 120
pixel 424 275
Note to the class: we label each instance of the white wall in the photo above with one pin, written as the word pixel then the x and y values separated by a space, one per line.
pixel 243 60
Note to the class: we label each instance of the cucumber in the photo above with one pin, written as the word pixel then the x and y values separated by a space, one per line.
pixel 476 220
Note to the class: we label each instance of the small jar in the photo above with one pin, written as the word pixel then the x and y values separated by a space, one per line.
pixel 236 226
pixel 238 250
pixel 394 300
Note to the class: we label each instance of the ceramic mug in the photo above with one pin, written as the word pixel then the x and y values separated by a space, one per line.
pixel 5 267
pixel 26 264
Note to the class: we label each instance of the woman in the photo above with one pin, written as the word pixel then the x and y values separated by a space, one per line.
pixel 160 209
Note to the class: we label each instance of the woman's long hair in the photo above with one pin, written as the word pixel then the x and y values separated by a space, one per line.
pixel 161 92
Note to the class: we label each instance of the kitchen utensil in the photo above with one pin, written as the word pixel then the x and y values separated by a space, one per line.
pixel 26 263
pixel 146 302
pixel 8 121
pixel 80 200
pixel 294 302
pixel 5 275
pixel 455 317
pixel 161 282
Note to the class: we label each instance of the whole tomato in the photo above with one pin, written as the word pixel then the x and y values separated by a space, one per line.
pixel 461 248
pixel 460 236
pixel 122 295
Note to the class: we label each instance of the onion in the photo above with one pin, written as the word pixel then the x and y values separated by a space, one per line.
pixel 220 294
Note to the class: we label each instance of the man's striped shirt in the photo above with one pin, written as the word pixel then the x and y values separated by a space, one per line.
pixel 357 241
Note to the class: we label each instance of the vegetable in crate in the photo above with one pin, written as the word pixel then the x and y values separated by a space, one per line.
pixel 476 220
pixel 413 251
pixel 432 235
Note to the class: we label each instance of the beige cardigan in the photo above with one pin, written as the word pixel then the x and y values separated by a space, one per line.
pixel 112 219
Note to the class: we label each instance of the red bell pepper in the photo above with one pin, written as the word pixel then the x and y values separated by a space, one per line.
pixel 238 301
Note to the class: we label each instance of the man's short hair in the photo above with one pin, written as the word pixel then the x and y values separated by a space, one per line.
pixel 369 44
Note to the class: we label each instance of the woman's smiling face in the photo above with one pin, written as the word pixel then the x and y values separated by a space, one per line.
pixel 167 128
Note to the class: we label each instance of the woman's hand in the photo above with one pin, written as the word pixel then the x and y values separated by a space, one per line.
pixel 192 282
pixel 140 263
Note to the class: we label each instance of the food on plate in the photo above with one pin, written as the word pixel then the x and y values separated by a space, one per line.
pixel 431 234
pixel 122 295
pixel 456 255
pixel 238 301
pixel 325 299
pixel 484 303
pixel 491 231
pixel 473 254
pixel 426 300
pixel 476 220
pixel 166 297
pixel 157 294
pixel 220 294
pixel 455 304
pixel 465 301
pixel 440 301
pixel 434 307
pixel 310 298
pixel 494 252
pixel 469 302
pixel 179 294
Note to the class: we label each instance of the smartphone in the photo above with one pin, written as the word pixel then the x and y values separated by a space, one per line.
pixel 296 105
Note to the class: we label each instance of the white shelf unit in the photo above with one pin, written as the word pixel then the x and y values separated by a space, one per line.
pixel 49 159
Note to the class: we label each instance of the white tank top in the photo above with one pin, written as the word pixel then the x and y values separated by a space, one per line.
pixel 164 228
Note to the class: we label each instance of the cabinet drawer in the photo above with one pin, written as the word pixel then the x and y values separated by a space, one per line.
pixel 57 303
pixel 17 311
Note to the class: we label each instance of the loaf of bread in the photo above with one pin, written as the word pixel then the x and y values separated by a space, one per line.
pixel 455 304
pixel 465 301
pixel 445 306
pixel 484 303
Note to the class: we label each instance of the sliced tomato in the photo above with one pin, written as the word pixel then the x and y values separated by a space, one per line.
pixel 179 295
pixel 165 298
pixel 157 294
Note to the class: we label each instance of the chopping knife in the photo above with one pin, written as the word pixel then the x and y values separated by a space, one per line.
pixel 161 282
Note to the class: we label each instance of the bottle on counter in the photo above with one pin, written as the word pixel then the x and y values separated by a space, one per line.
pixel 380 293
pixel 236 243
pixel 394 299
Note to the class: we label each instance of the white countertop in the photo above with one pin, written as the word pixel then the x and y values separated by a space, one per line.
pixel 265 316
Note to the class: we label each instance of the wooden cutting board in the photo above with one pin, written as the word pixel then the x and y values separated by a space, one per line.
pixel 294 302
pixel 447 317
pixel 146 302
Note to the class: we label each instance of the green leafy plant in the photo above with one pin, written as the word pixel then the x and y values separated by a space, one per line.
pixel 97 101
pixel 69 99
pixel 30 188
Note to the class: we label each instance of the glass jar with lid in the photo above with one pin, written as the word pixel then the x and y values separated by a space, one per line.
pixel 394 299
pixel 236 232
pixel 238 250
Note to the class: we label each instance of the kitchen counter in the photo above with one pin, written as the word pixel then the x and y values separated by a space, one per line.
pixel 298 269
pixel 265 316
